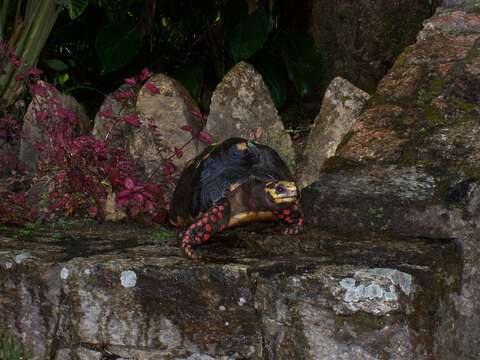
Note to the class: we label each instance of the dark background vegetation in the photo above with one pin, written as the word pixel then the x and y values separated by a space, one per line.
pixel 196 42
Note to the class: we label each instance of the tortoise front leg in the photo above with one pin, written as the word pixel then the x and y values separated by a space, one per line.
pixel 211 222
pixel 292 217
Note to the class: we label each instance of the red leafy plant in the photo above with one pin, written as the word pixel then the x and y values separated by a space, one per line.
pixel 84 172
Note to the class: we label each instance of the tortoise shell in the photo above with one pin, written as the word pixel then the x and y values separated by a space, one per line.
pixel 219 169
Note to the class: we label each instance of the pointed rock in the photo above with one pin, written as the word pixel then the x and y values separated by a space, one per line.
pixel 164 107
pixel 341 105
pixel 112 110
pixel 49 102
pixel 243 107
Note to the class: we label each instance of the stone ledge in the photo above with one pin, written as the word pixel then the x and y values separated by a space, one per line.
pixel 113 289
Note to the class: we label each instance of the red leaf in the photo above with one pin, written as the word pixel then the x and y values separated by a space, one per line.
pixel 144 74
pixel 152 88
pixel 130 81
pixel 187 128
pixel 178 152
pixel 129 184
pixel 92 211
pixel 197 114
pixel 38 90
pixel 205 137
pixel 132 120
pixel 122 95
pixel 35 72
pixel 139 198
pixel 168 169
pixel 106 114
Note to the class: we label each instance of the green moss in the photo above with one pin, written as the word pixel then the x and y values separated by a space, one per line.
pixel 465 106
pixel 13 350
pixel 434 116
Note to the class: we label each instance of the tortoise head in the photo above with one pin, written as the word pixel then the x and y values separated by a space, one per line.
pixel 281 191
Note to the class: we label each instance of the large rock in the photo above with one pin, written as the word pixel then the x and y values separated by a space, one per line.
pixel 341 105
pixel 410 164
pixel 57 106
pixel 95 292
pixel 108 121
pixel 243 107
pixel 360 40
pixel 168 109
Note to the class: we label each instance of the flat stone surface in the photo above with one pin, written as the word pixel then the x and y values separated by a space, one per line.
pixel 128 290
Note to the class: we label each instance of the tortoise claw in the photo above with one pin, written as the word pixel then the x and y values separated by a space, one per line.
pixel 293 230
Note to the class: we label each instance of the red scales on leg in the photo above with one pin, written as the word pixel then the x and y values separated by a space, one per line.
pixel 292 217
pixel 210 223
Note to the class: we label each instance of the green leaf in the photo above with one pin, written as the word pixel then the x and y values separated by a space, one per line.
pixel 275 77
pixel 248 35
pixel 56 64
pixel 63 78
pixel 302 60
pixel 75 7
pixel 191 77
pixel 116 46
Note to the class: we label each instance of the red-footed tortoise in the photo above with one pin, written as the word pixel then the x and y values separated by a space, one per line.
pixel 230 184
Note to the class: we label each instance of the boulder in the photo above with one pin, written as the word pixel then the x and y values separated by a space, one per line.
pixel 108 121
pixel 91 292
pixel 341 105
pixel 49 100
pixel 360 40
pixel 410 163
pixel 242 106
pixel 163 112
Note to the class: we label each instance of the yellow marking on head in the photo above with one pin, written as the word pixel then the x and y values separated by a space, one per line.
pixel 242 146
pixel 249 216
pixel 282 191
pixel 234 186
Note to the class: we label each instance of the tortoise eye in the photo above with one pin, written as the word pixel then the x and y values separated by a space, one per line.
pixel 280 189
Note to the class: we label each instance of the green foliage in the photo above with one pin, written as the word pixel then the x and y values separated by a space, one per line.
pixel 302 60
pixel 274 74
pixel 11 350
pixel 191 77
pixel 55 64
pixel 163 234
pixel 196 42
pixel 116 45
pixel 248 35
pixel 75 7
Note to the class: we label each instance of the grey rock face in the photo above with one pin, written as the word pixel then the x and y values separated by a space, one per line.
pixel 410 163
pixel 341 105
pixel 243 107
pixel 112 290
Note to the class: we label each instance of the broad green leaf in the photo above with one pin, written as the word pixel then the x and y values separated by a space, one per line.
pixel 248 35
pixel 56 64
pixel 75 7
pixel 302 60
pixel 63 78
pixel 191 77
pixel 116 45
pixel 275 77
